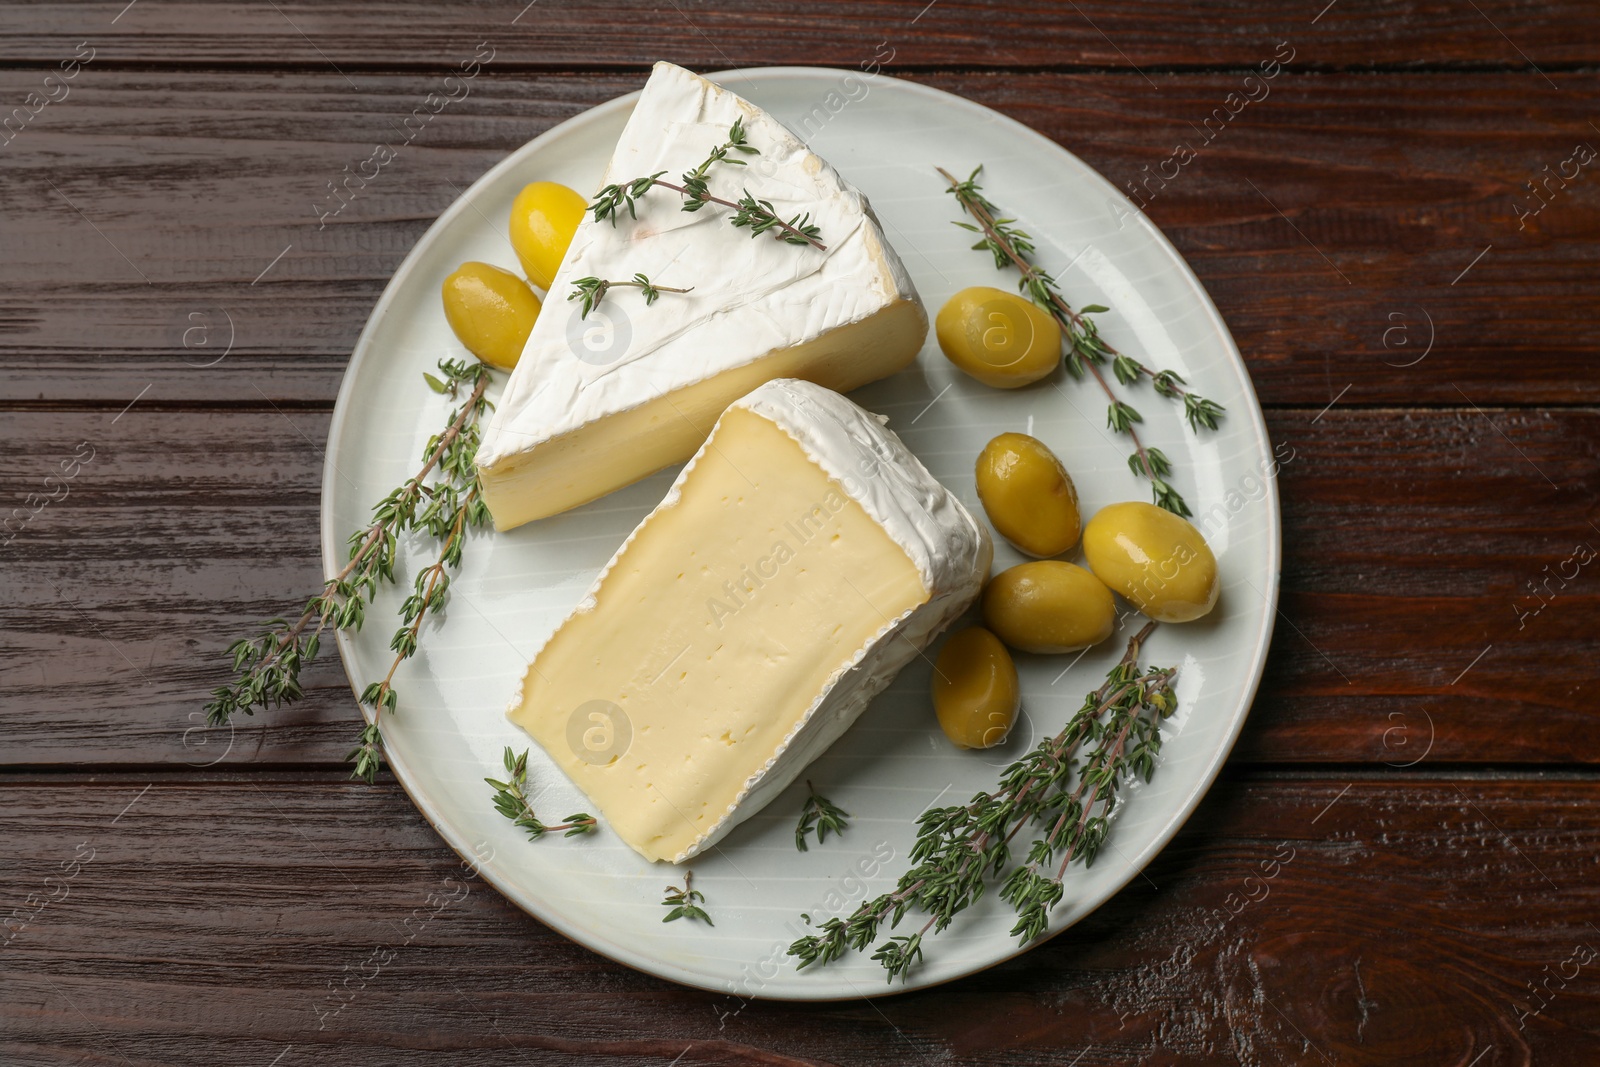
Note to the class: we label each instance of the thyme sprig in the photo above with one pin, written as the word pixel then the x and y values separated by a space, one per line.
pixel 758 216
pixel 511 800
pixel 442 500
pixel 1127 744
pixel 694 181
pixel 959 850
pixel 592 290
pixel 609 201
pixel 821 815
pixel 685 903
pixel 1085 349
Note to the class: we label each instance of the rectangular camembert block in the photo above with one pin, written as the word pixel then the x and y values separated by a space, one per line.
pixel 800 560
pixel 596 403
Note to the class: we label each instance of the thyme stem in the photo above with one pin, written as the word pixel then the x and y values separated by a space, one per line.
pixel 592 290
pixel 1085 347
pixel 442 498
pixel 685 903
pixel 820 815
pixel 433 573
pixel 978 208
pixel 960 849
pixel 511 800
pixel 794 235
pixel 373 534
pixel 758 216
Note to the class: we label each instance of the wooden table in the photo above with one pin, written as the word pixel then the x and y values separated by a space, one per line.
pixel 1421 326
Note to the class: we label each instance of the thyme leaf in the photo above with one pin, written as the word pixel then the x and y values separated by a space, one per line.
pixel 1085 351
pixel 592 290
pixel 960 850
pixel 821 815
pixel 443 501
pixel 511 800
pixel 685 903
pixel 758 216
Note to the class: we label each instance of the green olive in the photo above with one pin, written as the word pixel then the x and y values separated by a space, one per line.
pixel 1028 495
pixel 492 311
pixel 1154 558
pixel 544 216
pixel 998 337
pixel 1048 606
pixel 975 692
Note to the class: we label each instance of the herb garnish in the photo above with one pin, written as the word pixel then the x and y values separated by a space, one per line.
pixel 821 814
pixel 1085 348
pixel 443 500
pixel 685 903
pixel 758 216
pixel 960 849
pixel 592 290
pixel 511 800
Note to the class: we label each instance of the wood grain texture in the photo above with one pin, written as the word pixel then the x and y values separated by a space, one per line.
pixel 1356 34
pixel 1422 747
pixel 1358 232
pixel 1411 541
pixel 1365 921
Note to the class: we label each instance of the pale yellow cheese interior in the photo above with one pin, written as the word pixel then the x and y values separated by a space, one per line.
pixel 713 633
pixel 608 453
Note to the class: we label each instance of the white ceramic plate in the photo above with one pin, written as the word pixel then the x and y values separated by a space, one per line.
pixel 886 136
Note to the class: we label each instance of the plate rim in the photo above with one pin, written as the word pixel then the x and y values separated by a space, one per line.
pixel 332 542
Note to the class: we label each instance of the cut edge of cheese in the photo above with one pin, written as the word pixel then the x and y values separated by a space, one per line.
pixel 949 550
pixel 760 309
pixel 547 479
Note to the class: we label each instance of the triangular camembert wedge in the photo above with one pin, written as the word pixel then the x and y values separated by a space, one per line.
pixel 799 561
pixel 599 402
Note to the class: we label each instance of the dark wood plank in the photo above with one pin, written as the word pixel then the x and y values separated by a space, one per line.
pixel 1293 921
pixel 631 33
pixel 1412 541
pixel 1424 606
pixel 187 529
pixel 149 256
pixel 1337 251
pixel 1419 912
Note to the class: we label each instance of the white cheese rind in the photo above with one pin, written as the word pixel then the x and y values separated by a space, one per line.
pixel 751 298
pixel 950 550
pixel 949 547
pixel 876 469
